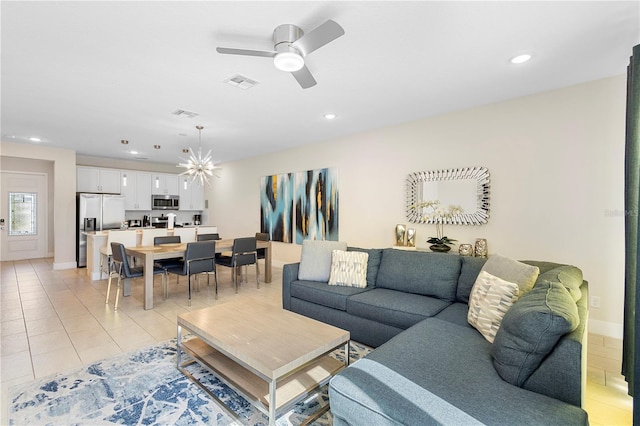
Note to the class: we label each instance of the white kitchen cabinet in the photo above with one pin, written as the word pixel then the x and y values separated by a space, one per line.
pixel 136 187
pixel 191 197
pixel 164 184
pixel 94 179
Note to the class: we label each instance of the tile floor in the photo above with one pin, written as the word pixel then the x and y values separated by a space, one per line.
pixel 54 321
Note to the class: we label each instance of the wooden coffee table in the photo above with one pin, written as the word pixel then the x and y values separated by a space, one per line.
pixel 272 357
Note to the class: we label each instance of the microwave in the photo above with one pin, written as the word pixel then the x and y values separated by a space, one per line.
pixel 165 202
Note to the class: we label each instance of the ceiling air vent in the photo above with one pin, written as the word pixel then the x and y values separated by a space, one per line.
pixel 185 113
pixel 241 82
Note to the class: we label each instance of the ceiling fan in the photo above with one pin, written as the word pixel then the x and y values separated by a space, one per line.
pixel 291 45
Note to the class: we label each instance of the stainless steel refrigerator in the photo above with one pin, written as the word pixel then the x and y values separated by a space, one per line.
pixel 108 212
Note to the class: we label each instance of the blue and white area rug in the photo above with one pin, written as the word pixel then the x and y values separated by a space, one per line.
pixel 145 387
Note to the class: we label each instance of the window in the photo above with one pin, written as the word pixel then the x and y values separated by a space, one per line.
pixel 22 213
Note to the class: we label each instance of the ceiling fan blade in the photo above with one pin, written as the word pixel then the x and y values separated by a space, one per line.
pixel 246 52
pixel 318 37
pixel 304 77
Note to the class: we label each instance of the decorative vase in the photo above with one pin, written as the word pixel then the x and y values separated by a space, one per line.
pixel 401 235
pixel 440 248
pixel 411 237
pixel 481 247
pixel 465 250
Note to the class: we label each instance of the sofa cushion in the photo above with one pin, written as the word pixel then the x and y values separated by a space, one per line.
pixel 531 329
pixel 469 271
pixel 428 274
pixel 395 308
pixel 318 292
pixel 513 271
pixel 348 268
pixel 373 264
pixel 315 259
pixel 491 298
pixel 455 313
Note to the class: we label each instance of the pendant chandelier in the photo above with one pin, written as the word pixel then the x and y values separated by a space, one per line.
pixel 198 167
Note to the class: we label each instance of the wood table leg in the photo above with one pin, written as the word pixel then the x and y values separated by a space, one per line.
pixel 148 281
pixel 267 264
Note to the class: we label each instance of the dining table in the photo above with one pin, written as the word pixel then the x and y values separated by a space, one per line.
pixel 149 254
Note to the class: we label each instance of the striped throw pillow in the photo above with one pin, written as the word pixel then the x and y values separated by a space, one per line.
pixel 349 268
pixel 490 299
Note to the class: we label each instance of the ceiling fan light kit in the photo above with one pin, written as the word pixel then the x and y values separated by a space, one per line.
pixel 288 61
pixel 291 45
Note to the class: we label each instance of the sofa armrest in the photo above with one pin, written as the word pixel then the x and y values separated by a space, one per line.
pixel 289 274
pixel 560 376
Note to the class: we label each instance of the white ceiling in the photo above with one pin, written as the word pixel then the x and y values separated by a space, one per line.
pixel 85 75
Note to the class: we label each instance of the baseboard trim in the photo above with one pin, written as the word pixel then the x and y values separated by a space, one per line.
pixel 605 328
pixel 65 265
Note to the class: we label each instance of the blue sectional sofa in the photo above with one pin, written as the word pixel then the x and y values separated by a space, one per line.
pixel 430 366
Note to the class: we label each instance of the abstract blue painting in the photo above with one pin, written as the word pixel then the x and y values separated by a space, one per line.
pixel 276 207
pixel 316 205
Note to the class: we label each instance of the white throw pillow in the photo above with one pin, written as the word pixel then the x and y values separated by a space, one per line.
pixel 349 268
pixel 490 299
pixel 315 260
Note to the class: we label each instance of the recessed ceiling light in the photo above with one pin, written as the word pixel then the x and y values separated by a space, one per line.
pixel 124 142
pixel 133 152
pixel 156 146
pixel 520 59
pixel 330 116
pixel 34 139
pixel 185 150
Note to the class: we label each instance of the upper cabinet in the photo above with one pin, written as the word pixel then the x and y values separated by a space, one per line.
pixel 191 195
pixel 93 179
pixel 136 187
pixel 164 184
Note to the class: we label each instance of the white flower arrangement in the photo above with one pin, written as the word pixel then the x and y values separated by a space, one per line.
pixel 437 214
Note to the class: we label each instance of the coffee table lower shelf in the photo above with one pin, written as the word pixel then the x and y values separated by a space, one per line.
pixel 289 390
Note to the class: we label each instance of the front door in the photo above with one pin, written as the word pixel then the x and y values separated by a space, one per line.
pixel 23 212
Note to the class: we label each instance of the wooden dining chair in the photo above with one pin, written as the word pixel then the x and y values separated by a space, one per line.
pixel 243 253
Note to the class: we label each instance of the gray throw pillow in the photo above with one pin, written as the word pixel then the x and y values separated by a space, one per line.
pixel 315 260
pixel 513 271
pixel 530 330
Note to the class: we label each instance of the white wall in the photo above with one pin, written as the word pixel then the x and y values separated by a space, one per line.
pixel 556 162
pixel 64 195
